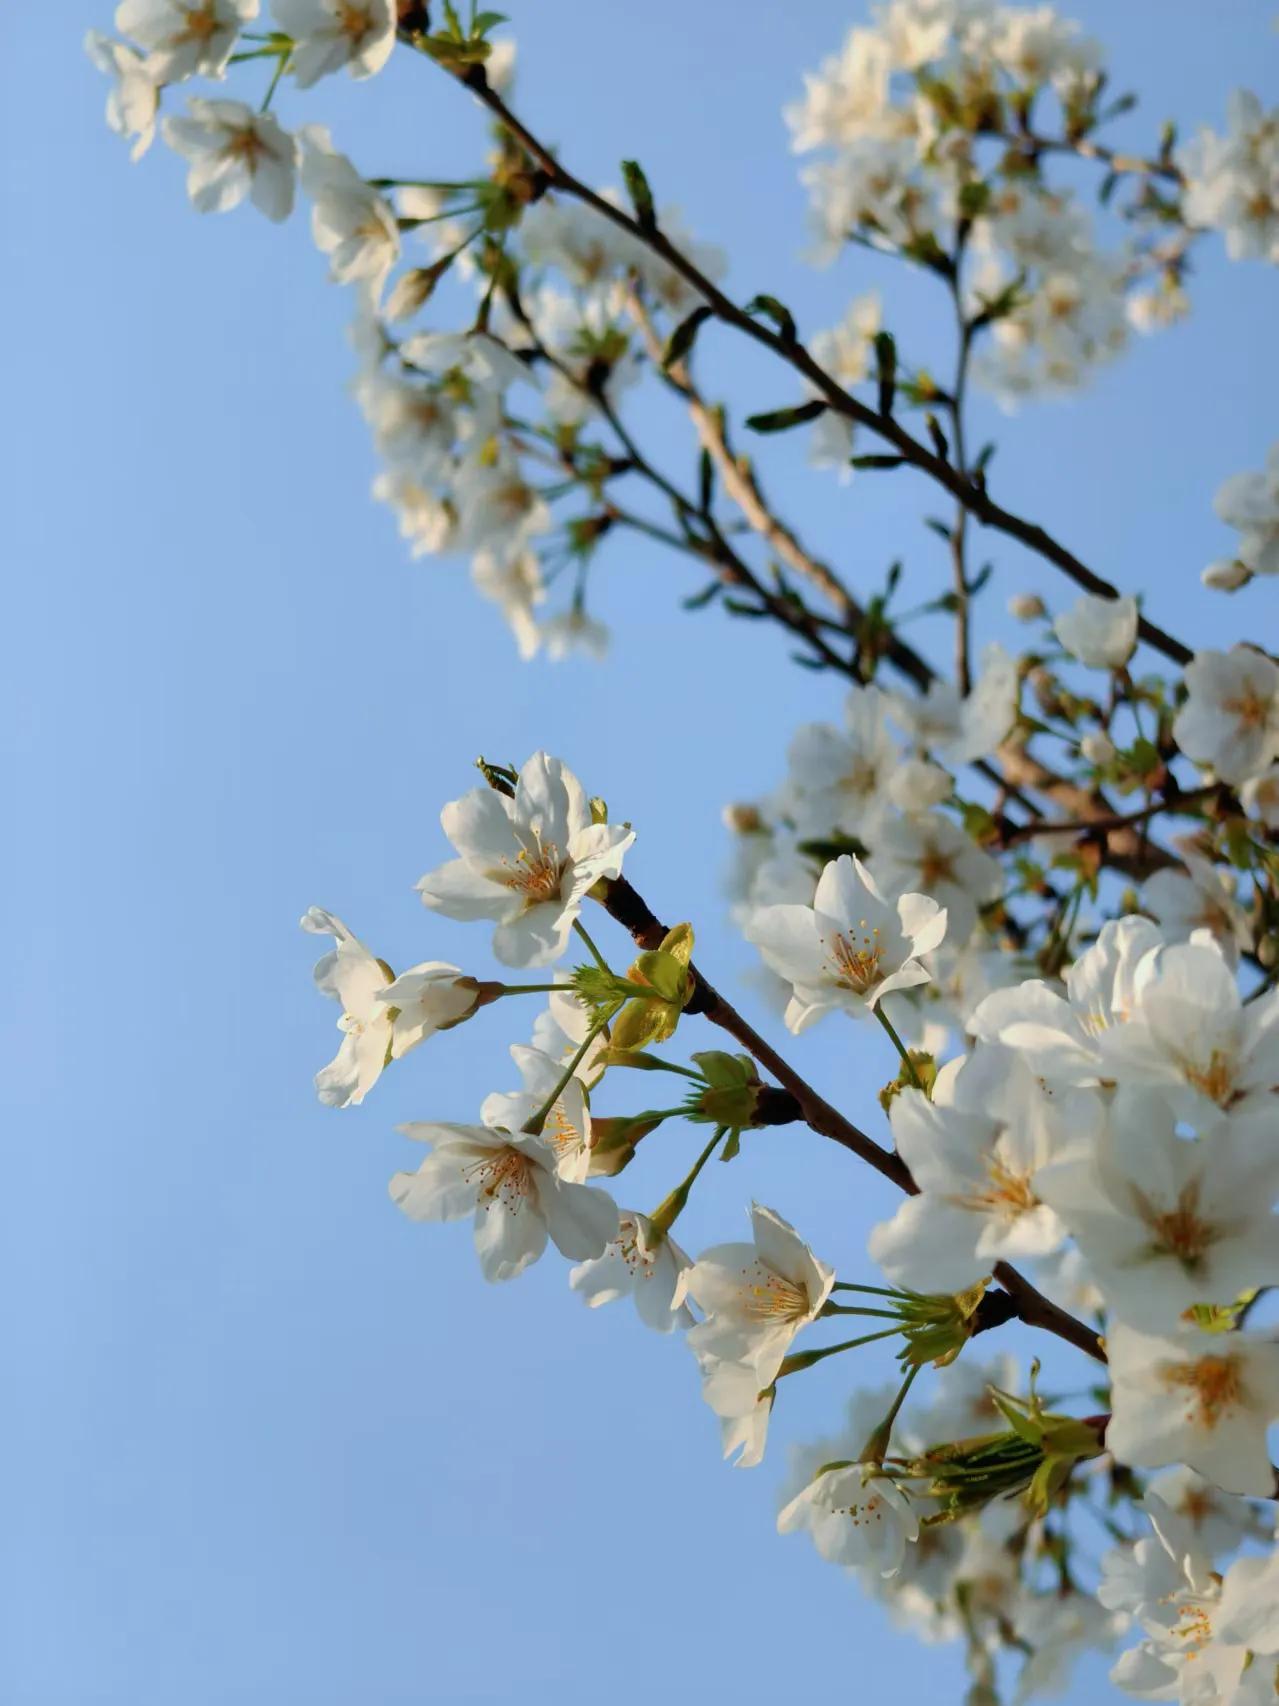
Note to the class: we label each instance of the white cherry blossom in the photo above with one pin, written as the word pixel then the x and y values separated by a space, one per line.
pixel 1200 1399
pixel 1250 504
pixel 653 1272
pixel 930 854
pixel 839 778
pixel 855 1514
pixel 355 978
pixel 526 861
pixel 1165 1223
pixel 234 152
pixel 1230 721
pixel 850 948
pixel 328 34
pixel 976 1151
pixel 1099 632
pixel 1202 897
pixel 184 38
pixel 134 100
pixel 351 223
pixel 567 1130
pixel 510 1183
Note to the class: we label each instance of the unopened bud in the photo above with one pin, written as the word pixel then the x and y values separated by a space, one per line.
pixel 743 818
pixel 1097 748
pixel 1226 575
pixel 1026 607
pixel 613 1142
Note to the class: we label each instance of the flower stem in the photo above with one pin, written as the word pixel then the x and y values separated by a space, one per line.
pixel 533 1127
pixel 668 1212
pixel 806 1359
pixel 585 934
pixel 877 1444
pixel 900 1046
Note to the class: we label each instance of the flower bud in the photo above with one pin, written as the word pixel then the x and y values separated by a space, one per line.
pixel 1097 748
pixel 1226 575
pixel 743 818
pixel 1026 607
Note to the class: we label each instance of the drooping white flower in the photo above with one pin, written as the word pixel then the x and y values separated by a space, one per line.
pixel 511 1184
pixel 757 1297
pixel 526 861
pixel 1191 1035
pixel 1165 1223
pixel 427 522
pixel 1099 632
pixel 652 1272
pixel 839 778
pixel 383 1016
pixel 414 427
pixel 482 358
pixel 930 854
pixel 351 222
pixel 134 100
pixel 976 1151
pixel 1232 180
pixel 499 511
pixel 328 34
pixel 513 581
pixel 961 730
pixel 1230 721
pixel 574 631
pixel 1202 897
pixel 234 152
pixel 855 1515
pixel 184 38
pixel 1202 1399
pixel 850 948
pixel 1213 1522
pixel 1059 1038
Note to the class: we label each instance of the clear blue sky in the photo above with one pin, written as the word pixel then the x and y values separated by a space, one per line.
pixel 266 1442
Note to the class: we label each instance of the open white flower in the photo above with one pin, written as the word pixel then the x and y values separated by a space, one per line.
pixel 184 38
pixel 351 223
pixel 511 1184
pixel 839 778
pixel 850 948
pixel 976 1151
pixel 1099 632
pixel 1212 1522
pixel 1202 1399
pixel 960 730
pixel 1260 797
pixel 134 100
pixel 1165 1223
pixel 1059 1037
pixel 482 358
pixel 1230 721
pixel 328 34
pixel 430 997
pixel 758 1296
pixel 855 1515
pixel 1192 1035
pixel 930 854
pixel 1202 897
pixel 526 861
pixel 234 152
pixel 652 1272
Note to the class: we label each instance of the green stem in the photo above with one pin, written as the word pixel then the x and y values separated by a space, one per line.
pixel 875 1290
pixel 536 989
pixel 533 1127
pixel 877 1444
pixel 668 1212
pixel 274 84
pixel 585 934
pixel 899 1045
pixel 850 1309
pixel 806 1359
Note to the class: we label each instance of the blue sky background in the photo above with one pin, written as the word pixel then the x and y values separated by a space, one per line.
pixel 267 1442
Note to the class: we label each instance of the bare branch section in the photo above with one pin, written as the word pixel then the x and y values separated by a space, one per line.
pixel 627 907
pixel 970 492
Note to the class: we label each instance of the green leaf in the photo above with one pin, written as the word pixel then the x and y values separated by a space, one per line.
pixel 886 367
pixel 777 312
pixel 483 22
pixel 937 436
pixel 685 334
pixel 640 194
pixel 877 461
pixel 700 600
pixel 781 420
pixel 705 482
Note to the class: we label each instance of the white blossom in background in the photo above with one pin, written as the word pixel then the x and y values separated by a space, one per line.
pixel 351 223
pixel 1213 1522
pixel 1200 1399
pixel 184 38
pixel 839 778
pixel 1260 796
pixel 514 583
pixel 1164 1223
pixel 526 861
pixel 134 100
pixel 1232 181
pixel 855 1515
pixel 850 948
pixel 234 152
pixel 976 1150
pixel 1250 504
pixel 1201 897
pixel 1099 632
pixel 330 34
pixel 652 1271
pixel 573 631
pixel 510 1184
pixel 930 854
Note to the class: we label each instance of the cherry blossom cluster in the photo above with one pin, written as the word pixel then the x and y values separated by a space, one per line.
pixel 1077 1006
